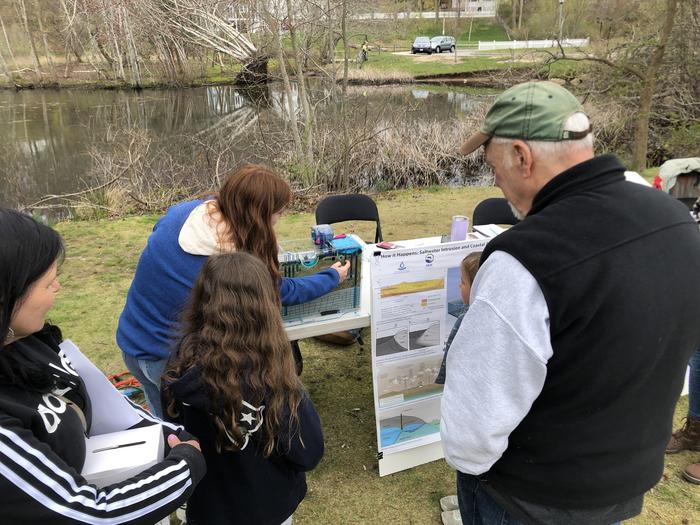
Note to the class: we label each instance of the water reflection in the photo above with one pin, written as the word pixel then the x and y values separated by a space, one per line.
pixel 47 138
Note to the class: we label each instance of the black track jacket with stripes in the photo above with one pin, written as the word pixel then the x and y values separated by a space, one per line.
pixel 42 449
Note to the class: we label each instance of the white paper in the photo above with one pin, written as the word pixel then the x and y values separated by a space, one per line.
pixel 111 412
pixel 490 230
pixel 118 456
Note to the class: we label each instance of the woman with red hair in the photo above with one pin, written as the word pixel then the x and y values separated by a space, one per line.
pixel 241 217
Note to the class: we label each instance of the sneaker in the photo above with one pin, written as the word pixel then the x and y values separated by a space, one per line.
pixel 685 438
pixel 449 503
pixel 181 513
pixel 692 473
pixel 452 517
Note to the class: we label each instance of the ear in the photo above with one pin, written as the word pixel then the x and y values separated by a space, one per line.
pixel 523 157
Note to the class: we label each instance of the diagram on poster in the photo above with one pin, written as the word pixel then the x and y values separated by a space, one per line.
pixel 410 422
pixel 392 338
pixel 408 380
pixel 415 303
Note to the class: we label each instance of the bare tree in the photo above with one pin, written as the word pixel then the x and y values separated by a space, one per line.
pixel 7 43
pixel 47 52
pixel 22 8
pixel 641 134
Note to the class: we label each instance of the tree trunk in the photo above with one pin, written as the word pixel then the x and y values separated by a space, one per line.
pixel 303 95
pixel 5 69
pixel 47 52
pixel 520 14
pixel 9 47
pixel 103 51
pixel 331 40
pixel 132 53
pixel 646 95
pixel 289 96
pixel 30 35
pixel 344 30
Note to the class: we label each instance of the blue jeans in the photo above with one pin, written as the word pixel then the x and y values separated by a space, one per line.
pixel 694 386
pixel 148 373
pixel 476 506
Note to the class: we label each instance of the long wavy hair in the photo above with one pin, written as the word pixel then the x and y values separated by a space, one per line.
pixel 247 201
pixel 232 331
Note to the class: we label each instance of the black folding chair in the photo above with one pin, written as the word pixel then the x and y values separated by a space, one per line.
pixel 350 207
pixel 493 211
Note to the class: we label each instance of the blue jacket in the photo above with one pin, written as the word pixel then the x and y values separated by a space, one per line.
pixel 163 281
pixel 440 379
pixel 243 487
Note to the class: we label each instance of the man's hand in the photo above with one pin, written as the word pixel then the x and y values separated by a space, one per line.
pixel 174 441
pixel 342 270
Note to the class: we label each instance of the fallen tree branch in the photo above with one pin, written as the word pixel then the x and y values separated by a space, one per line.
pixel 49 198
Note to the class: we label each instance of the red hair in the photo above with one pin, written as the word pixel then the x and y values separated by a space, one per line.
pixel 247 201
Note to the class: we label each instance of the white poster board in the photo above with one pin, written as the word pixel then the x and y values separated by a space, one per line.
pixel 415 302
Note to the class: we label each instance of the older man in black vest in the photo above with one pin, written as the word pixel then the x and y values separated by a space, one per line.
pixel 562 380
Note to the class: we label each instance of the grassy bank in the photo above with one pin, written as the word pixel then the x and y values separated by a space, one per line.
pixel 432 65
pixel 345 488
pixel 400 34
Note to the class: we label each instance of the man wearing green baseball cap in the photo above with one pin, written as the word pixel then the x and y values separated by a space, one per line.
pixel 560 392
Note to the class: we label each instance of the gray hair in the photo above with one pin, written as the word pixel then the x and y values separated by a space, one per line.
pixel 551 148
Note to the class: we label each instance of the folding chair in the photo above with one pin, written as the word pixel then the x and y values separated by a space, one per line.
pixel 493 211
pixel 349 207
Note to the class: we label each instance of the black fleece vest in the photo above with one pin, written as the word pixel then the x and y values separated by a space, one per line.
pixel 619 266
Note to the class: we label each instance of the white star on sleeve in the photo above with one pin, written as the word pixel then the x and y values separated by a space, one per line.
pixel 248 418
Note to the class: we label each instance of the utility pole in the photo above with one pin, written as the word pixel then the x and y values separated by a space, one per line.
pixel 561 18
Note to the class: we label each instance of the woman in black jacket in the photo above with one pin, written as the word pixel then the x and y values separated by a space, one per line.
pixel 45 409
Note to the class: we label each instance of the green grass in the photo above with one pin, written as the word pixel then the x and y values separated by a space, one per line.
pixel 345 488
pixel 421 68
pixel 401 33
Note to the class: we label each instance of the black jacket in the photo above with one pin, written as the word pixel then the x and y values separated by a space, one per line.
pixel 243 487
pixel 619 266
pixel 42 450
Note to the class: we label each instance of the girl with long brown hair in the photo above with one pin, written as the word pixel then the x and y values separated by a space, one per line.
pixel 232 384
pixel 241 217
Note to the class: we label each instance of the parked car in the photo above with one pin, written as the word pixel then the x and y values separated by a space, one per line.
pixel 442 43
pixel 421 45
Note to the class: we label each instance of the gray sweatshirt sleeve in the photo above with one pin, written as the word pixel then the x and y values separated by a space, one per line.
pixel 496 366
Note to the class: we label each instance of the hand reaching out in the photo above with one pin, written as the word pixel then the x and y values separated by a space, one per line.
pixel 342 270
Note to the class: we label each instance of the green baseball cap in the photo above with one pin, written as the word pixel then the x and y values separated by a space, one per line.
pixel 528 111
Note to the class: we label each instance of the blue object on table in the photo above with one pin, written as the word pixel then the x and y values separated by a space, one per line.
pixel 321 234
pixel 345 243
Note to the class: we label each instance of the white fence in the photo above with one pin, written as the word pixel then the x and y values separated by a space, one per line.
pixel 481 9
pixel 532 44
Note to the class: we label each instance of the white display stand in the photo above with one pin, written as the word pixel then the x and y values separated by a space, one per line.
pixel 415 302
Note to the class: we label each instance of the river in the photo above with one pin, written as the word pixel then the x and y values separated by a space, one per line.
pixel 51 140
